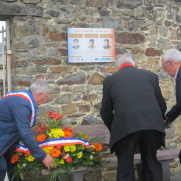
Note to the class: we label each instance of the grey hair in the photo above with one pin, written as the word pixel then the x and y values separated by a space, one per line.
pixel 123 58
pixel 39 86
pixel 172 54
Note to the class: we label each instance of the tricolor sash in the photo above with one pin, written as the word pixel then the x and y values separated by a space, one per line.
pixel 56 142
pixel 28 96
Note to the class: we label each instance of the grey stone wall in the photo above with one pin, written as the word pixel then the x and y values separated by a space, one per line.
pixel 145 28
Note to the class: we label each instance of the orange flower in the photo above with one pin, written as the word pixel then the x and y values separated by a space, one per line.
pixel 58 147
pixel 86 137
pixel 41 138
pixel 27 153
pixel 68 159
pixel 55 152
pixel 67 134
pixel 98 146
pixel 14 158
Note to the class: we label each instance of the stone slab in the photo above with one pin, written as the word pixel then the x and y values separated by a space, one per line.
pixel 19 9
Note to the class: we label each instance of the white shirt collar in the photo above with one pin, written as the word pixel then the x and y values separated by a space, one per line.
pixel 176 73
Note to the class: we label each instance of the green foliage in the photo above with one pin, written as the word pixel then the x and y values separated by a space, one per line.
pixel 167 123
pixel 97 139
pixel 46 115
pixel 81 135
pixel 77 166
pixel 57 174
pixel 52 124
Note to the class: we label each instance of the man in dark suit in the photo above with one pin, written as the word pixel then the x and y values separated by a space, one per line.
pixel 171 62
pixel 133 110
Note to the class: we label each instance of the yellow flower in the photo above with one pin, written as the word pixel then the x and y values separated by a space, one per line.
pixel 83 147
pixel 93 147
pixel 47 149
pixel 57 133
pixel 66 148
pixel 30 158
pixel 20 153
pixel 62 161
pixel 79 155
pixel 18 166
pixel 72 148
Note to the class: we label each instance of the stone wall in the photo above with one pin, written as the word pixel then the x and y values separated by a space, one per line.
pixel 145 28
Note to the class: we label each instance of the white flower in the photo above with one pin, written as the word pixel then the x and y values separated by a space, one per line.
pixel 91 157
pixel 66 156
pixel 24 165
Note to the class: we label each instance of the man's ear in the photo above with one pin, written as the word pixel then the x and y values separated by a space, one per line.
pixel 39 94
pixel 117 68
pixel 170 61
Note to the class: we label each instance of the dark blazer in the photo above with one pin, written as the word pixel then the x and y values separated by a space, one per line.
pixel 176 109
pixel 15 123
pixel 132 101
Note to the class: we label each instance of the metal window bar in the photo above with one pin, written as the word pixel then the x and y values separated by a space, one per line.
pixel 8 55
pixel 3 31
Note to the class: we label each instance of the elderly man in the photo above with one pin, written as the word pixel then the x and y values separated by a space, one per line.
pixel 133 110
pixel 17 116
pixel 171 62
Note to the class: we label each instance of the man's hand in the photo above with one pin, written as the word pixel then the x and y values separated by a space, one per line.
pixel 179 138
pixel 48 161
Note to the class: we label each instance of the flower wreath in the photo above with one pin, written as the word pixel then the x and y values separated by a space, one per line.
pixel 67 149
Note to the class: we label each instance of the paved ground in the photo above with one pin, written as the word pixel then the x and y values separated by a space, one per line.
pixel 175 176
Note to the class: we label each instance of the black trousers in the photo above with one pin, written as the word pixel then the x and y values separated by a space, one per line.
pixel 5 164
pixel 150 141
pixel 179 156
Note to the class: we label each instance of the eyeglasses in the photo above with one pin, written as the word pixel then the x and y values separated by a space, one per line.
pixel 163 66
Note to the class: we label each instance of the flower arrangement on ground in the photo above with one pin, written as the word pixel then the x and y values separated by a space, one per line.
pixel 69 150
pixel 167 123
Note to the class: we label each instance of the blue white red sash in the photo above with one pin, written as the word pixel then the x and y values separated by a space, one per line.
pixel 28 96
pixel 56 142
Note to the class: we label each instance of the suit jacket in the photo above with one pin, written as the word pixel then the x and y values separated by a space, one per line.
pixel 132 101
pixel 15 123
pixel 176 109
